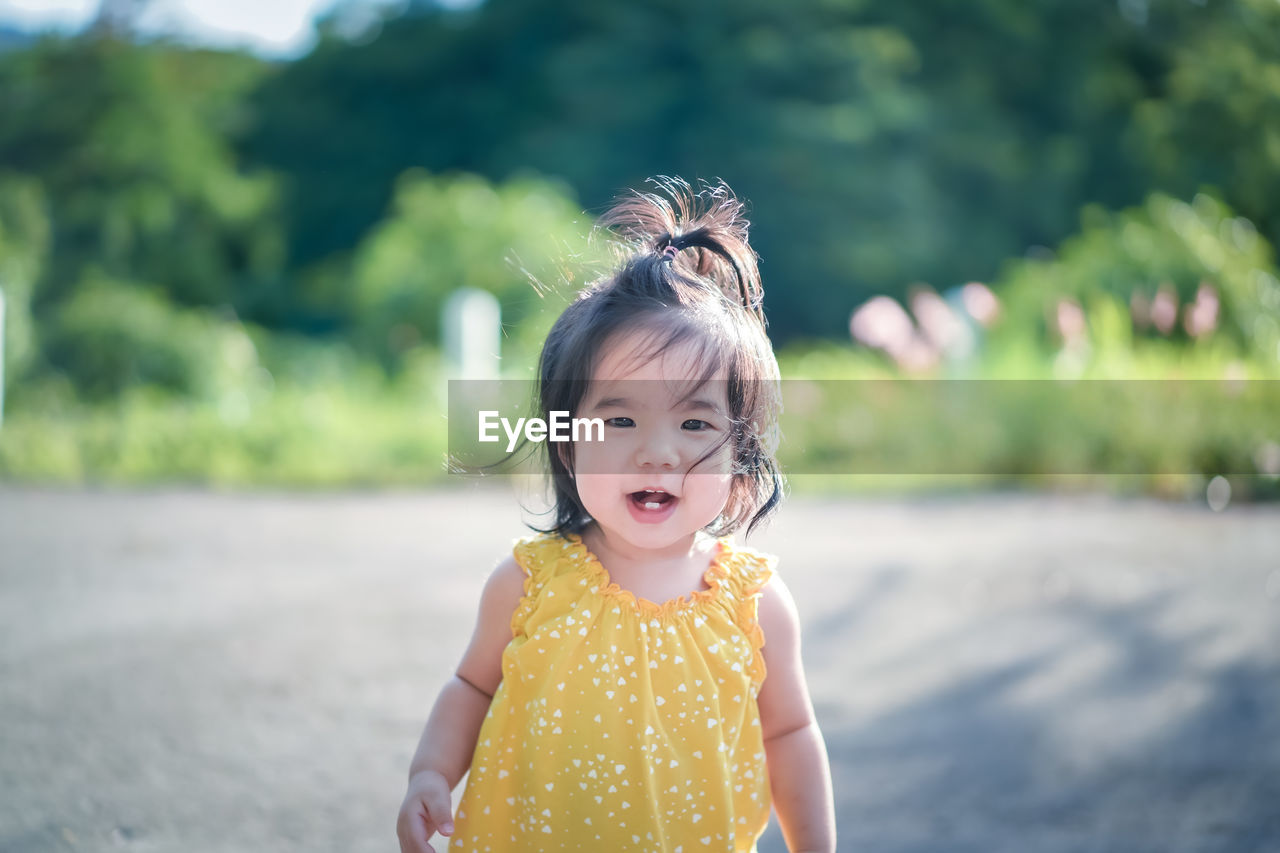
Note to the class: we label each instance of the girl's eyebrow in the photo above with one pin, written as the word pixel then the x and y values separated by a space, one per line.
pixel 691 404
pixel 611 403
pixel 698 404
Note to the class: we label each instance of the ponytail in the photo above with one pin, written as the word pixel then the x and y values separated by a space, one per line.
pixel 660 228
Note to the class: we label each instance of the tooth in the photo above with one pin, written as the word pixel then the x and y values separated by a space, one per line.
pixel 652 505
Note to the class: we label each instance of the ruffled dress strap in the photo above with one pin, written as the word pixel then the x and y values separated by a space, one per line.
pixel 541 558
pixel 745 573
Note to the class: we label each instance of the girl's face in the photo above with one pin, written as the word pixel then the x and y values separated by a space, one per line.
pixel 644 484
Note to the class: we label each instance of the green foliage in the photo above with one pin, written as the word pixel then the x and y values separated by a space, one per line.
pixel 110 336
pixel 1215 117
pixel 786 103
pixel 298 226
pixel 342 435
pixel 130 143
pixel 279 409
pixel 1157 426
pixel 880 143
pixel 1165 243
pixel 518 240
pixel 24 245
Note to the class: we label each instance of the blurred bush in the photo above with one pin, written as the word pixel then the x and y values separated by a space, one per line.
pixel 519 240
pixel 1187 275
pixel 339 435
pixel 110 336
pixel 24 245
pixel 1160 436
pixel 1150 348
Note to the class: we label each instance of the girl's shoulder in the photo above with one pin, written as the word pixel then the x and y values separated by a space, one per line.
pixel 550 563
pixel 545 555
pixel 746 570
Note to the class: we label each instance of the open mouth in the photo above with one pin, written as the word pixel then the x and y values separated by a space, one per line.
pixel 652 500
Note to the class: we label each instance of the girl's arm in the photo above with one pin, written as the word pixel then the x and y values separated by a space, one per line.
pixel 449 738
pixel 799 774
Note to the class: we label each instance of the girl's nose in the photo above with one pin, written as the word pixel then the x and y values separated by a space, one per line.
pixel 657 450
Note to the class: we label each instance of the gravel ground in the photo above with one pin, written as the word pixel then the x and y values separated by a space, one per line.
pixel 192 671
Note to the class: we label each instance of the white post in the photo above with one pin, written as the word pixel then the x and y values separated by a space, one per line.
pixel 472 328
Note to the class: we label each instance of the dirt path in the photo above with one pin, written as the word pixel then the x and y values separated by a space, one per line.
pixel 189 671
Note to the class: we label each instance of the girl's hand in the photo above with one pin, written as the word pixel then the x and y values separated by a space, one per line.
pixel 426 809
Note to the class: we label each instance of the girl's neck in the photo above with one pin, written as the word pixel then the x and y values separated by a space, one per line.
pixel 624 561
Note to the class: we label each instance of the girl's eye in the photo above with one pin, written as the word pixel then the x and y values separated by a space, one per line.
pixel 695 425
pixel 620 422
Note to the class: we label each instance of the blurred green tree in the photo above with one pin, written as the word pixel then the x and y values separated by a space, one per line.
pixel 24 246
pixel 130 143
pixel 879 143
pixel 800 108
pixel 519 240
pixel 1213 118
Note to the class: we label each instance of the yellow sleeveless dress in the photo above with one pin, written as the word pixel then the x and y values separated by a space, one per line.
pixel 621 725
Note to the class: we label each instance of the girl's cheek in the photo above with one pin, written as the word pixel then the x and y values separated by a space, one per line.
pixel 721 462
pixel 600 457
pixel 582 459
pixel 718 466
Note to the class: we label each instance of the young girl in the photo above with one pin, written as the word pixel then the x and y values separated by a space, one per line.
pixel 591 717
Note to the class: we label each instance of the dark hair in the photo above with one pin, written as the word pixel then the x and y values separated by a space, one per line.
pixel 688 276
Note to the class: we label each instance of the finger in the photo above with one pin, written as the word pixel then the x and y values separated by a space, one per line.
pixel 414 828
pixel 440 808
